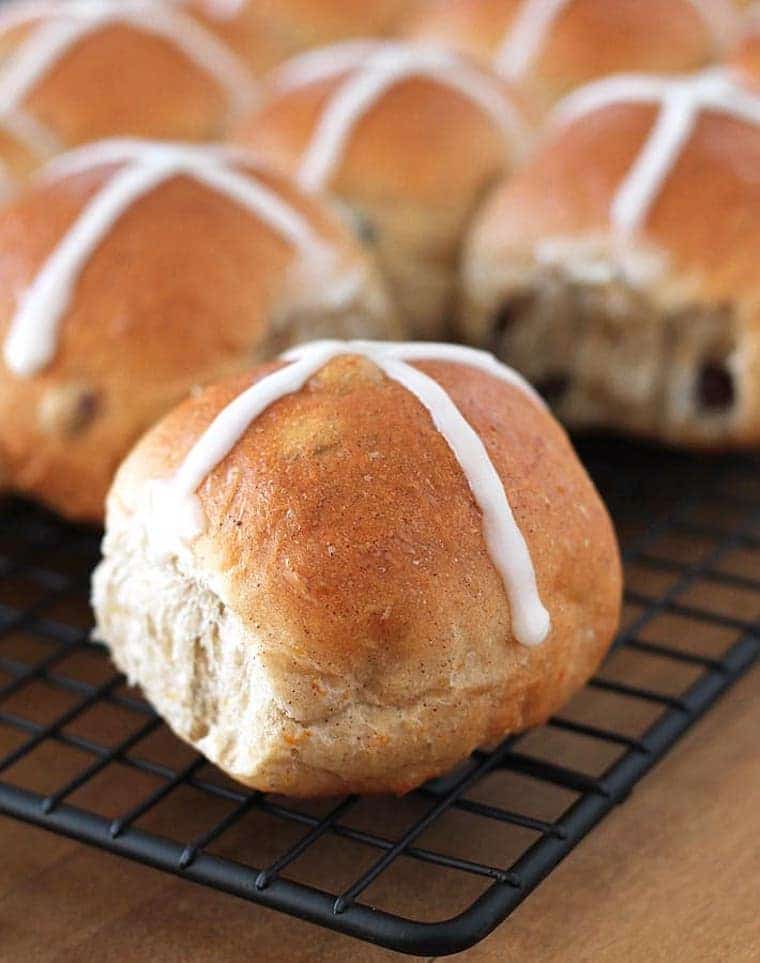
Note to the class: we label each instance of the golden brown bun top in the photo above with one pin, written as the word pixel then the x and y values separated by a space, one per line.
pixel 181 249
pixel 744 60
pixel 267 32
pixel 186 286
pixel 588 38
pixel 706 217
pixel 421 141
pixel 342 531
pixel 131 76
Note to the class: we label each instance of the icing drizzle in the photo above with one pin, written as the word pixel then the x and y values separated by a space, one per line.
pixel 373 69
pixel 32 337
pixel 527 35
pixel 64 25
pixel 682 100
pixel 506 545
pixel 529 31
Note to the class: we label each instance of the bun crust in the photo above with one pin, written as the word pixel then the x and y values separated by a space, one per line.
pixel 744 61
pixel 267 32
pixel 632 323
pixel 186 287
pixel 148 84
pixel 412 168
pixel 587 38
pixel 344 572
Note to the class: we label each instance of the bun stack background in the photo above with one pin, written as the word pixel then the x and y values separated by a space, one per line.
pixel 438 172
pixel 76 72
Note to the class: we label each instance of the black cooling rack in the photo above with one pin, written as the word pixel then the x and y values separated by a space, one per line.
pixel 84 756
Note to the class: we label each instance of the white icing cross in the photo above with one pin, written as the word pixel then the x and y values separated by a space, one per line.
pixel 530 28
pixel 32 338
pixel 375 68
pixel 527 35
pixel 681 100
pixel 64 25
pixel 179 508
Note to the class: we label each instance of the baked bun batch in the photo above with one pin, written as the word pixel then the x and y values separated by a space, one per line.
pixel 341 554
pixel 73 71
pixel 147 269
pixel 409 138
pixel 549 47
pixel 619 268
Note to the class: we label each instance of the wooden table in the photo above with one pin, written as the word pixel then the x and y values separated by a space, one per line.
pixel 672 875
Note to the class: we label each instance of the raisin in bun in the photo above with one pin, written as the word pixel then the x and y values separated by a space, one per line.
pixel 81 70
pixel 345 571
pixel 133 271
pixel 409 139
pixel 266 32
pixel 551 46
pixel 619 269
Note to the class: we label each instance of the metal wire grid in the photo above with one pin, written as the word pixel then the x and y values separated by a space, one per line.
pixel 53 561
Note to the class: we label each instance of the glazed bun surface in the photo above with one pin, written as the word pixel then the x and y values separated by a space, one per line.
pixel 552 46
pixel 409 139
pixel 211 263
pixel 744 59
pixel 72 72
pixel 619 268
pixel 266 32
pixel 337 621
